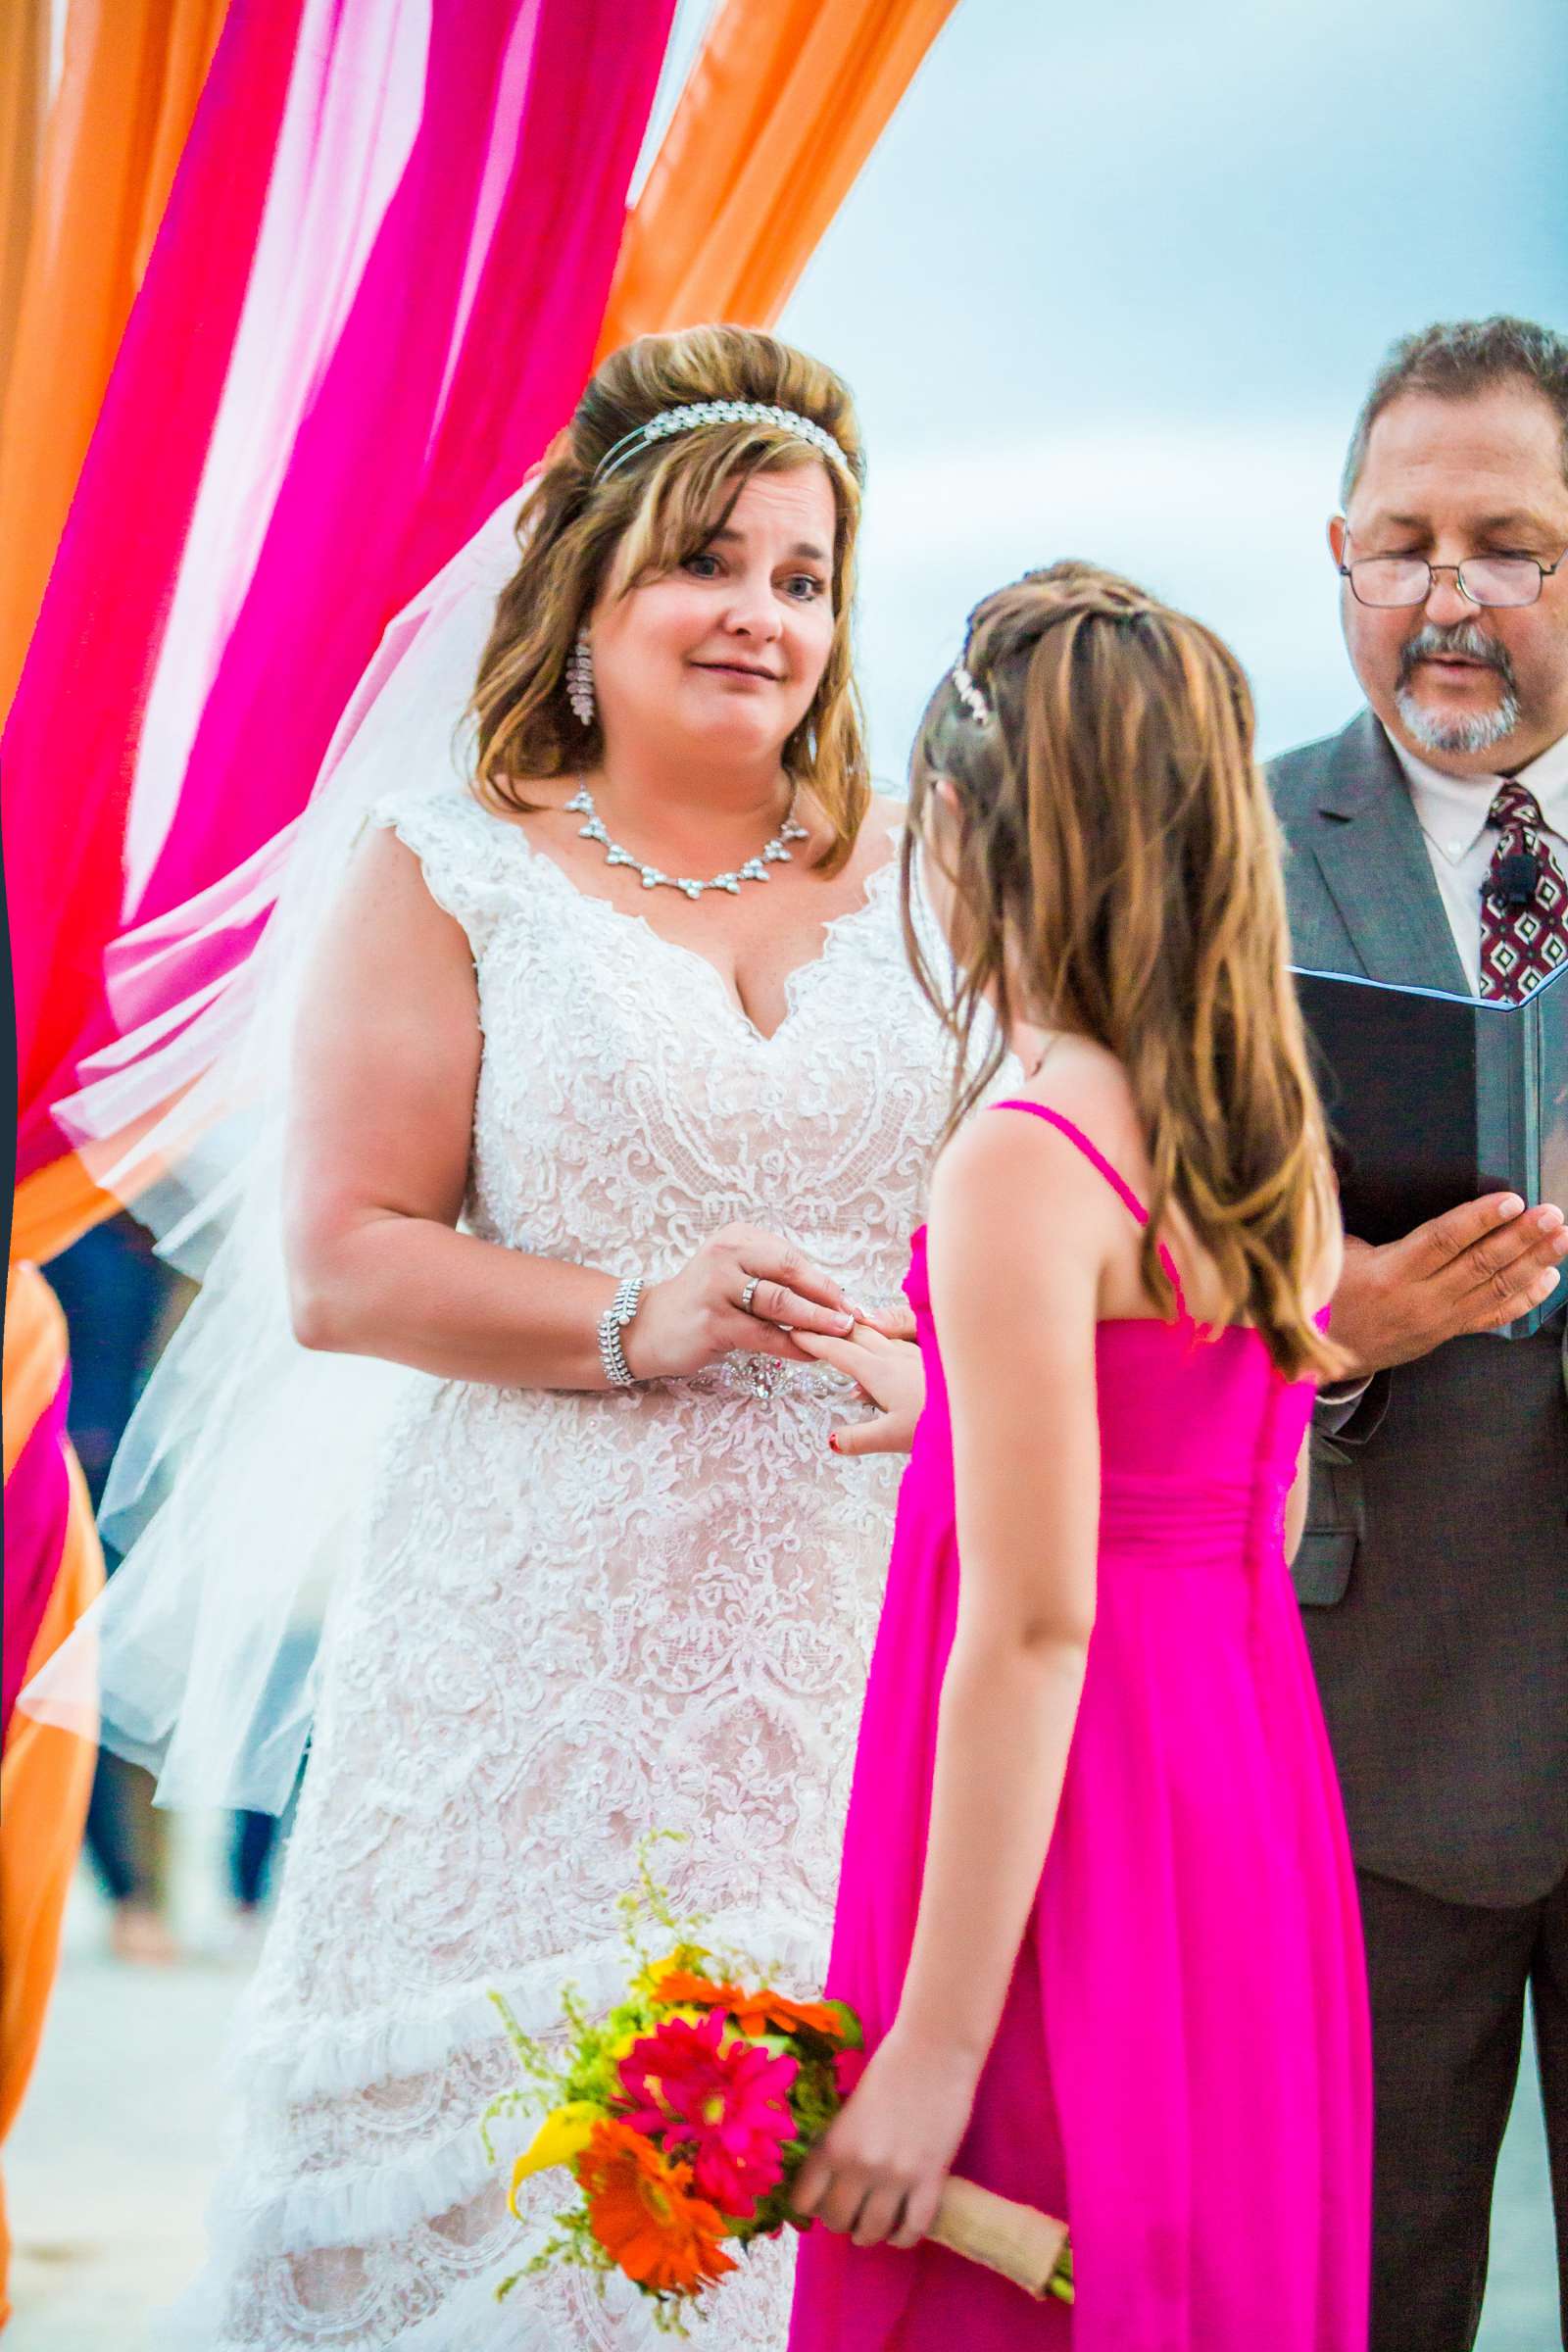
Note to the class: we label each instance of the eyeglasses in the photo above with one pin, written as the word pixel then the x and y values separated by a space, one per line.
pixel 1387 581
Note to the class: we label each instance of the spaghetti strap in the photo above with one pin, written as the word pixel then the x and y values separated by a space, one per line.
pixel 1113 1177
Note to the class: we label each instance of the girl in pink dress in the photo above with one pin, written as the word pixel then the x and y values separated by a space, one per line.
pixel 1096 1909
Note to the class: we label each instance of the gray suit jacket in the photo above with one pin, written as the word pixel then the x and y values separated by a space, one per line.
pixel 1434 1573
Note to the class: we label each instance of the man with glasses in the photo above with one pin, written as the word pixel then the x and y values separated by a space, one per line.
pixel 1430 847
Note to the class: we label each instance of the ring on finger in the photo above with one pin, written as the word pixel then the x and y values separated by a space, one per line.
pixel 750 1293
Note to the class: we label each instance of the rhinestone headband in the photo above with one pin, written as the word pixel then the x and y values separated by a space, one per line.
pixel 671 421
pixel 971 695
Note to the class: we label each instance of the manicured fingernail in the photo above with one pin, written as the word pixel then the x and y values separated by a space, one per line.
pixel 833 1441
pixel 845 1322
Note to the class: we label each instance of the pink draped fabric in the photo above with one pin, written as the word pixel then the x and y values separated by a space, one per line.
pixel 38 1492
pixel 383 343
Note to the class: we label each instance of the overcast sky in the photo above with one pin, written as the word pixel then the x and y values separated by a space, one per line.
pixel 1113 281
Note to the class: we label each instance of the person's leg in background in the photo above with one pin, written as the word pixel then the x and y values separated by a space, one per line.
pixel 250 1859
pixel 127 1861
pixel 116 1295
pixel 1447 1989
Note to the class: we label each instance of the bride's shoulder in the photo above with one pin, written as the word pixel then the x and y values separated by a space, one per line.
pixel 883 826
pixel 468 855
pixel 448 814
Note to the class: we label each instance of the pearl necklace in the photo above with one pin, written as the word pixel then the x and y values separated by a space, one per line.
pixel 772 852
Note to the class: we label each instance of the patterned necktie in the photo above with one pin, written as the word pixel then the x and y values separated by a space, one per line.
pixel 1523 905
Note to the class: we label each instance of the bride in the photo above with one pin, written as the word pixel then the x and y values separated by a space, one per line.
pixel 612 1075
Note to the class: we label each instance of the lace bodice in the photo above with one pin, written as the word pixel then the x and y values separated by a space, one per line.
pixel 627 1106
pixel 576 1618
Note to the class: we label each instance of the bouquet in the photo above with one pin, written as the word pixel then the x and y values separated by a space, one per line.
pixel 684 2115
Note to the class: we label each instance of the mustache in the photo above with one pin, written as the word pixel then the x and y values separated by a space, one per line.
pixel 1459 637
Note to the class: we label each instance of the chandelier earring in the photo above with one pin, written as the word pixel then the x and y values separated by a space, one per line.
pixel 580 680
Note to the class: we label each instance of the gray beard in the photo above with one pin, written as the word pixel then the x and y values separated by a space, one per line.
pixel 1484 729
pixel 1476 733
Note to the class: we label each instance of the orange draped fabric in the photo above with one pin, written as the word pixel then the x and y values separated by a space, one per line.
pixel 24 90
pixel 54 1207
pixel 45 1774
pixel 783 106
pixel 57 1203
pixel 132 73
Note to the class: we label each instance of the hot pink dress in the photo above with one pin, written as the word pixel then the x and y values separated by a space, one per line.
pixel 1182 2068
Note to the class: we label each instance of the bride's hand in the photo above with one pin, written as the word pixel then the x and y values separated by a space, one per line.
pixel 889 1373
pixel 697 1315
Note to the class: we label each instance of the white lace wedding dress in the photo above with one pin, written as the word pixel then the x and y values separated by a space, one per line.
pixel 575 1618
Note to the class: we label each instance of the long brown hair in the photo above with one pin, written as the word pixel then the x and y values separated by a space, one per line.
pixel 1117 870
pixel 655 509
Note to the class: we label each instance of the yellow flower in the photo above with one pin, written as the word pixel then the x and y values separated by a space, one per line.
pixel 661 1967
pixel 559 2140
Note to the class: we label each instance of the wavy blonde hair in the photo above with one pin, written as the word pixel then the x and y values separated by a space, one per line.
pixel 1117 872
pixel 659 507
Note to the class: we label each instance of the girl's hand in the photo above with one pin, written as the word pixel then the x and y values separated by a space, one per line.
pixel 889 1374
pixel 895 1321
pixel 695 1317
pixel 880 2168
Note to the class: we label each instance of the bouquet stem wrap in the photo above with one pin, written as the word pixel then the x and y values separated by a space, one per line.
pixel 1018 2241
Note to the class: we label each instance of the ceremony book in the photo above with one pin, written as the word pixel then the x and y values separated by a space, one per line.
pixel 1434 1099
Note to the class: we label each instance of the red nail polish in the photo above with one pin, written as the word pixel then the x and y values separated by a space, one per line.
pixel 833 1441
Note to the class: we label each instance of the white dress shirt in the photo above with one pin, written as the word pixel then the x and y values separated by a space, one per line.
pixel 1452 814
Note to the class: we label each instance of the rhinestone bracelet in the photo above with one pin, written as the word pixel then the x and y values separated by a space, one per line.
pixel 611 1323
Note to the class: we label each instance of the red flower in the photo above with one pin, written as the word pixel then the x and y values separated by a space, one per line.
pixel 725 2103
pixel 848 2068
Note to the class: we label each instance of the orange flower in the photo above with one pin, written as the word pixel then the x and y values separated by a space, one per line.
pixel 753 2012
pixel 641 2212
pixel 680 1987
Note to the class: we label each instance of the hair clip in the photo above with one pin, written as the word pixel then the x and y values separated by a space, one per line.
pixel 971 695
